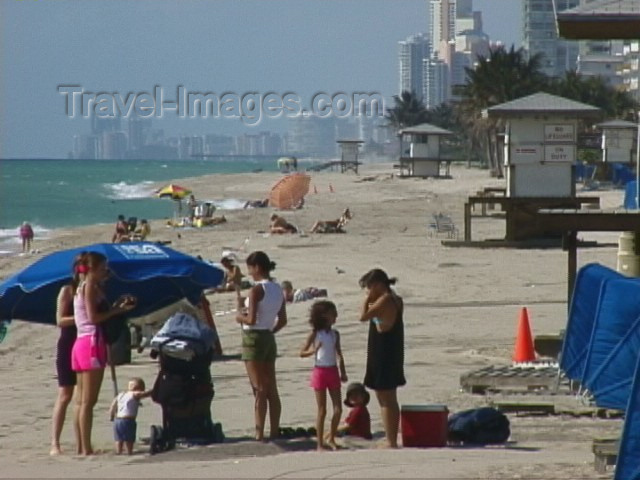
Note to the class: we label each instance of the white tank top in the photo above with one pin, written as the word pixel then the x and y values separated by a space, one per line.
pixel 127 405
pixel 268 307
pixel 326 354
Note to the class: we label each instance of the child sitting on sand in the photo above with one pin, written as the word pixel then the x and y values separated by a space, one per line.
pixel 358 422
pixel 123 412
pixel 324 344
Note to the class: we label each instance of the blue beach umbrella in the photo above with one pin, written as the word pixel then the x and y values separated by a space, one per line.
pixel 156 275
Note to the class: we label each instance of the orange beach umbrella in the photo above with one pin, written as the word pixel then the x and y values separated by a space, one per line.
pixel 289 191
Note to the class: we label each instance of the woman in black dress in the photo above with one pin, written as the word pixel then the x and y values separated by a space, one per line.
pixel 382 308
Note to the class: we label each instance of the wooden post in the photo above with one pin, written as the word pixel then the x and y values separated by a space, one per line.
pixel 570 244
pixel 467 222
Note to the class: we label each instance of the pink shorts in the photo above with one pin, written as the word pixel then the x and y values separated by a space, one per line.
pixel 325 378
pixel 89 353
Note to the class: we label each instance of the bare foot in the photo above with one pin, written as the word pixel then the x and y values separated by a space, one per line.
pixel 322 448
pixel 55 450
pixel 385 444
pixel 333 445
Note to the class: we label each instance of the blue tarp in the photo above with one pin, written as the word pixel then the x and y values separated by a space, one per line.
pixel 628 461
pixel 615 343
pixel 621 174
pixel 582 314
pixel 630 196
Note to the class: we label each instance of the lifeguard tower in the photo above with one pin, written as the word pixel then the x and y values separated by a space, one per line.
pixel 420 154
pixel 540 139
pixel 349 154
pixel 618 141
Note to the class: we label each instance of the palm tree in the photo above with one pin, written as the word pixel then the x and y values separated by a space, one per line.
pixel 597 92
pixel 501 76
pixel 408 111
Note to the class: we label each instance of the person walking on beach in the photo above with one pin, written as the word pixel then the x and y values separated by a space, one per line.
pixel 66 375
pixel 89 353
pixel 324 344
pixel 383 308
pixel 262 314
pixel 26 235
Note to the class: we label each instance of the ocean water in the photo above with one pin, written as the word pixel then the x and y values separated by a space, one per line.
pixel 52 194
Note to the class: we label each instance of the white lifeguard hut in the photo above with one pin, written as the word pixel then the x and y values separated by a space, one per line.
pixel 349 154
pixel 540 143
pixel 420 154
pixel 618 141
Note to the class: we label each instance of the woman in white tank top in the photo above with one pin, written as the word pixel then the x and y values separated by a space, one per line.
pixel 262 314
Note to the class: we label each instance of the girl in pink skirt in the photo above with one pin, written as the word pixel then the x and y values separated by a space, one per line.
pixel 328 371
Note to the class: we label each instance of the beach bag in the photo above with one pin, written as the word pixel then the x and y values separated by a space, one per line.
pixel 479 426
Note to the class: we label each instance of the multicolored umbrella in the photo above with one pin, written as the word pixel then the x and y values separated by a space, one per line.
pixel 289 191
pixel 174 192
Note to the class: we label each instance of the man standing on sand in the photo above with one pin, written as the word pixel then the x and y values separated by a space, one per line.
pixel 26 235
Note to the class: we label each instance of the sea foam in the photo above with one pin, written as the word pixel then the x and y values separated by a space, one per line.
pixel 126 191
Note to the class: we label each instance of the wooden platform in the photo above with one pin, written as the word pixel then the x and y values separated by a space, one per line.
pixel 511 378
pixel 605 451
pixel 535 408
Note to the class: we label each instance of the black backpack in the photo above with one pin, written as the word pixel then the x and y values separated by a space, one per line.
pixel 479 426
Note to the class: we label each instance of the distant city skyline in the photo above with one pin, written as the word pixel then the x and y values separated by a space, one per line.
pixel 277 46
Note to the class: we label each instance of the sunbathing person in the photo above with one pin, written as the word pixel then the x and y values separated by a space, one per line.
pixel 143 232
pixel 257 203
pixel 301 294
pixel 280 225
pixel 332 226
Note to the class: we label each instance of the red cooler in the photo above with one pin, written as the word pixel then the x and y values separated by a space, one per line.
pixel 424 425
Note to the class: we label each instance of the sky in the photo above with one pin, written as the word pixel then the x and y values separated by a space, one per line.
pixel 233 46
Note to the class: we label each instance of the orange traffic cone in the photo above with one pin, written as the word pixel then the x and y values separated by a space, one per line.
pixel 523 351
pixel 331 188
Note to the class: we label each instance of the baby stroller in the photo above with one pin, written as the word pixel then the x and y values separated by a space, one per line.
pixel 183 387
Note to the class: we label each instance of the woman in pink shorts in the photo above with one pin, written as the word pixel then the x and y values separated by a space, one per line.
pixel 329 370
pixel 89 354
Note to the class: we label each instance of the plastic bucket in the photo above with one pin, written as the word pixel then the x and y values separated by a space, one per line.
pixel 424 426
pixel 628 261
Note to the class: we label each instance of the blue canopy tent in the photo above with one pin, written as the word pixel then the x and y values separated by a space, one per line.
pixel 615 343
pixel 582 314
pixel 630 194
pixel 156 275
pixel 628 462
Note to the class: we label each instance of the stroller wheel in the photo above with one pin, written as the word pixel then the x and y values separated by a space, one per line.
pixel 155 440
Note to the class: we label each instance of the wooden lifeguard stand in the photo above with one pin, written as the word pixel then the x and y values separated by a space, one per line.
pixel 349 154
pixel 420 154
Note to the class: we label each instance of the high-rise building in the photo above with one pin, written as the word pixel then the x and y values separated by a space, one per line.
pixel 312 136
pixel 541 36
pixel 436 82
pixel 114 145
pixel 411 53
pixel 457 39
pixel 138 131
pixel 85 147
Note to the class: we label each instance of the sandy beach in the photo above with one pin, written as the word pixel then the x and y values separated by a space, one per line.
pixel 461 312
